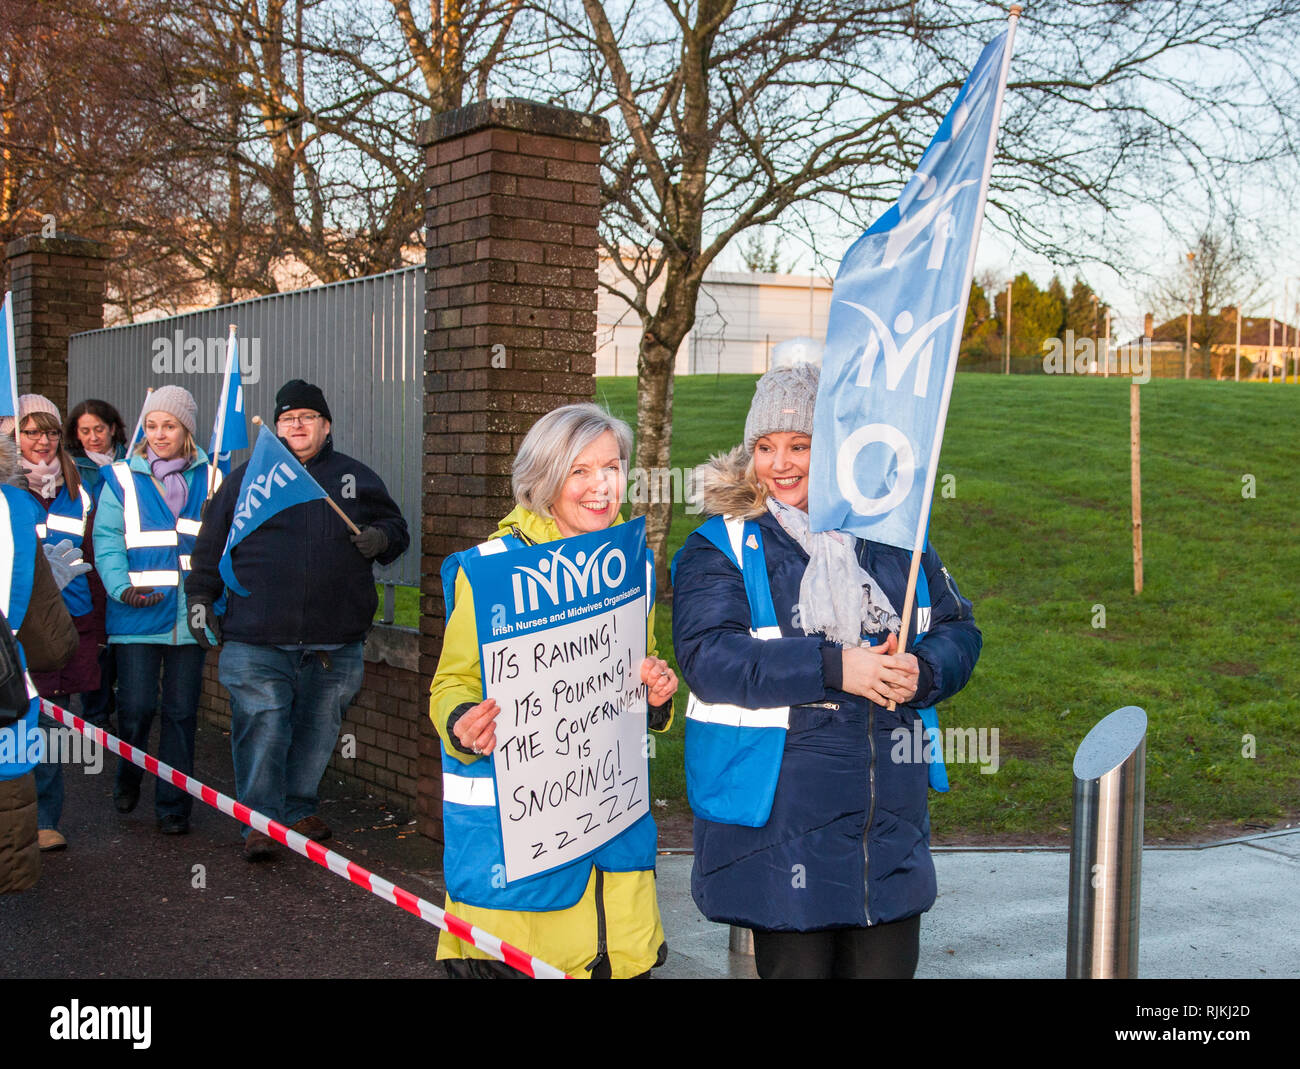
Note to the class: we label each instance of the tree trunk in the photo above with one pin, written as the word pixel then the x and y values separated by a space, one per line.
pixel 654 419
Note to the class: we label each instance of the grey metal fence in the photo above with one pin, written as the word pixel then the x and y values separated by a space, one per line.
pixel 361 341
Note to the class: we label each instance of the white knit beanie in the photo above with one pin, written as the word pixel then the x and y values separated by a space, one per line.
pixel 175 401
pixel 30 403
pixel 783 401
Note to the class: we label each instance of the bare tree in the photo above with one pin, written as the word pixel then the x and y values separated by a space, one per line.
pixel 1211 282
pixel 211 140
pixel 727 115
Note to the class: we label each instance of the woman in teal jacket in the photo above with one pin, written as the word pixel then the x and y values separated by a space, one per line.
pixel 95 437
pixel 148 518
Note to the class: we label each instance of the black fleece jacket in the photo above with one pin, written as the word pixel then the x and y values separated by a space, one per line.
pixel 307 583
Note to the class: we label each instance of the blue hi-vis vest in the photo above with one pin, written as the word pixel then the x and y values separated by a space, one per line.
pixel 20 742
pixel 66 521
pixel 733 754
pixel 158 548
pixel 473 860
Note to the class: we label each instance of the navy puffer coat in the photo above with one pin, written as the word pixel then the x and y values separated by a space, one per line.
pixel 847 842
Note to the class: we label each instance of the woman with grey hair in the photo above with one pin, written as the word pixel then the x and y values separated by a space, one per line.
pixel 596 917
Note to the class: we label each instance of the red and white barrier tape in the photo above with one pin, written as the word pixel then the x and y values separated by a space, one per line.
pixel 313 851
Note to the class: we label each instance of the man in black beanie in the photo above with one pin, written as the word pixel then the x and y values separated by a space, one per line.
pixel 292 658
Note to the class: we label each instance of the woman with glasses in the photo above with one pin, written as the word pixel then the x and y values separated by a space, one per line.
pixel 148 519
pixel 52 480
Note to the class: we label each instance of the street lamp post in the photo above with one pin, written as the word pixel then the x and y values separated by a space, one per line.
pixel 1191 305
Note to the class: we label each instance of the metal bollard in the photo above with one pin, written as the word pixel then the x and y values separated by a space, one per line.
pixel 741 941
pixel 1106 848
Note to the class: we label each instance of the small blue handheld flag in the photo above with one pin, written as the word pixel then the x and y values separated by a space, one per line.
pixel 273 482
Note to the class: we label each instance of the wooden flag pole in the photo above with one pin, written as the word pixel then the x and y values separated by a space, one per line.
pixel 1135 450
pixel 257 420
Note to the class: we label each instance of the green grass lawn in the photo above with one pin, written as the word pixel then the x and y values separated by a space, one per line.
pixel 1037 534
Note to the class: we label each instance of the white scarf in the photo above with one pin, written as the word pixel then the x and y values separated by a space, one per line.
pixel 44 479
pixel 836 597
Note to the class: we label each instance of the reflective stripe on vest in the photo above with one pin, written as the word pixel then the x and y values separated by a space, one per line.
pixel 468 790
pixel 163 578
pixel 132 535
pixel 746 543
pixel 733 754
pixel 67 523
pixel 158 547
pixel 18 549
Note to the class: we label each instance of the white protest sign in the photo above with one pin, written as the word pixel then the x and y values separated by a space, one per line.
pixel 562 631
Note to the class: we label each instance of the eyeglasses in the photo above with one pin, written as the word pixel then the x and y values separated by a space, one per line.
pixel 299 421
pixel 33 436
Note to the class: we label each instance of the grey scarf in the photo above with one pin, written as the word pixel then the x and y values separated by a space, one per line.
pixel 836 597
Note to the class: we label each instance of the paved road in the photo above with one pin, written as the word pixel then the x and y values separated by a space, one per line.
pixel 122 900
pixel 125 901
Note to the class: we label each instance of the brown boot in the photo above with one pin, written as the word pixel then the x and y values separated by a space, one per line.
pixel 314 828
pixel 258 847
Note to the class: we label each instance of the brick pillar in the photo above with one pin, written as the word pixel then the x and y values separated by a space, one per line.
pixel 58 290
pixel 510 319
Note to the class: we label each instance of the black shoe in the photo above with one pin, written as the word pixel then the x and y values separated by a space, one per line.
pixel 125 798
pixel 173 825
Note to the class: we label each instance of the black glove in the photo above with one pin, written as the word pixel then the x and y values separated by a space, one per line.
pixel 140 597
pixel 203 615
pixel 370 542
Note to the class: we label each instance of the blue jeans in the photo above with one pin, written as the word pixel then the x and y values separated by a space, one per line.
pixel 285 712
pixel 97 705
pixel 49 772
pixel 138 668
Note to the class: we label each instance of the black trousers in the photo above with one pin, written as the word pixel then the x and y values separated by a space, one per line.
pixel 881 952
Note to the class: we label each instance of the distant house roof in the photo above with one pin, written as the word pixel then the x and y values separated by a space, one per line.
pixel 1254 331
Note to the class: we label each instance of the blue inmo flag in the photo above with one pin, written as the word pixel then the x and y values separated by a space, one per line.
pixel 229 431
pixel 273 482
pixel 896 317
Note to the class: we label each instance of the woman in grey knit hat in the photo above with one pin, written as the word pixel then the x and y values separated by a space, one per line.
pixel 149 516
pixel 808 829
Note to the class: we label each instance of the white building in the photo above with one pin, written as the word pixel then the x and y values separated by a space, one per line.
pixel 739 319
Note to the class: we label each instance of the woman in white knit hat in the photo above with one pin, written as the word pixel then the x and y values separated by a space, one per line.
pixel 53 481
pixel 148 518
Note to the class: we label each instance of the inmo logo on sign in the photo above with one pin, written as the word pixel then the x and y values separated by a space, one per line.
pixel 561 580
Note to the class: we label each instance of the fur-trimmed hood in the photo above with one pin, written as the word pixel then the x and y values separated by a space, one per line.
pixel 724 487
pixel 11 471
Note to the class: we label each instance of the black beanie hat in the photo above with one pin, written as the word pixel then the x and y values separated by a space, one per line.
pixel 299 394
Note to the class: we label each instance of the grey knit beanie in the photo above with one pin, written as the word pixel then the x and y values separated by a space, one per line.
pixel 175 401
pixel 783 401
pixel 29 403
